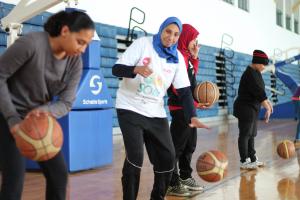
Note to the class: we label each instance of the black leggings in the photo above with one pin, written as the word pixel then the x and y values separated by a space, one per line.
pixel 185 141
pixel 138 130
pixel 13 170
pixel 248 131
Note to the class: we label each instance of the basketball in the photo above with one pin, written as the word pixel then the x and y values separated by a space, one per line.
pixel 39 138
pixel 212 166
pixel 207 92
pixel 286 149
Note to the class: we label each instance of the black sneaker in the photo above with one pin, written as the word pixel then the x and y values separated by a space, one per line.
pixel 178 190
pixel 191 184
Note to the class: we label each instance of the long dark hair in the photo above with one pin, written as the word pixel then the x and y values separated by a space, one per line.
pixel 75 20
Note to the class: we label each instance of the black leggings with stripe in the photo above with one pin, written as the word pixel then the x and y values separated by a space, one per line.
pixel 138 130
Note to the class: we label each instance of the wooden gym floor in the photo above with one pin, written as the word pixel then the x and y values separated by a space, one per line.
pixel 280 179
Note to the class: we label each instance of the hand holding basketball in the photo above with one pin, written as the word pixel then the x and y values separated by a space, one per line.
pixel 203 105
pixel 207 93
pixel 37 112
pixel 38 137
pixel 14 129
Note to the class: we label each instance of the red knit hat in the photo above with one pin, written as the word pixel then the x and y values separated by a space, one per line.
pixel 260 57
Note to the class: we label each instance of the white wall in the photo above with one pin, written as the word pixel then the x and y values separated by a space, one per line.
pixel 250 30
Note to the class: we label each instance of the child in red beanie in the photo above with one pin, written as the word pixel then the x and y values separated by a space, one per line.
pixel 251 95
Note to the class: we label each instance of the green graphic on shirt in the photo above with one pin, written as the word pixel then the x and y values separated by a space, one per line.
pixel 151 86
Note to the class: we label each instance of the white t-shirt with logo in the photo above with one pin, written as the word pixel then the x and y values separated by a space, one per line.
pixel 146 95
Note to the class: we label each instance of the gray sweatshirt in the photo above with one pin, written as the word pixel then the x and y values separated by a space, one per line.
pixel 30 77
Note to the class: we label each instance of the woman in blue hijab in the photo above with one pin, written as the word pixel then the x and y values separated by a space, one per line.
pixel 147 68
pixel 160 41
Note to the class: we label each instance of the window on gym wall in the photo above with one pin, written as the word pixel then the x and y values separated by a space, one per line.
pixel 288 22
pixel 279 17
pixel 296 26
pixel 229 1
pixel 244 4
pixel 288 14
pixel 296 19
pixel 279 12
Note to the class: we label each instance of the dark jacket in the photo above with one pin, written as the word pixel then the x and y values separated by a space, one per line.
pixel 251 94
pixel 174 101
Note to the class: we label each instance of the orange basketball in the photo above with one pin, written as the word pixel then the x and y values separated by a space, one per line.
pixel 39 138
pixel 207 92
pixel 286 149
pixel 212 166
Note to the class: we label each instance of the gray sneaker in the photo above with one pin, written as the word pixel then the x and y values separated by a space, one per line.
pixel 191 184
pixel 178 190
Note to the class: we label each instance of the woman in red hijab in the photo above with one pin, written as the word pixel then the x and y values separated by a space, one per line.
pixel 184 136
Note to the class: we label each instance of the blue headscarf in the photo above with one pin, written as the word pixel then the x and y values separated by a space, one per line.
pixel 170 53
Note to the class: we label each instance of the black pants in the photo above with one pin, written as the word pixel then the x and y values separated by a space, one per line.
pixel 248 131
pixel 185 140
pixel 138 130
pixel 13 170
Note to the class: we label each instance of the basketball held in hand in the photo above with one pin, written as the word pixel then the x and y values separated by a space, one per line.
pixel 207 93
pixel 39 138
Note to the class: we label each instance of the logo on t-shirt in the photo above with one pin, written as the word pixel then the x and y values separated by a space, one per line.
pixel 146 61
pixel 151 86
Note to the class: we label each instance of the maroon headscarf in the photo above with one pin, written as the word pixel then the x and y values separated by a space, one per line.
pixel 186 36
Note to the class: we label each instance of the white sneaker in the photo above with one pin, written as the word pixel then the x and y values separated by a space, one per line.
pixel 248 164
pixel 259 163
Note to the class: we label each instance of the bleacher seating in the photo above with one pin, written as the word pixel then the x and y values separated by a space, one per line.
pixel 109 53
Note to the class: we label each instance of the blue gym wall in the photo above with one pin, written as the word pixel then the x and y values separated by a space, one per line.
pixel 207 71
